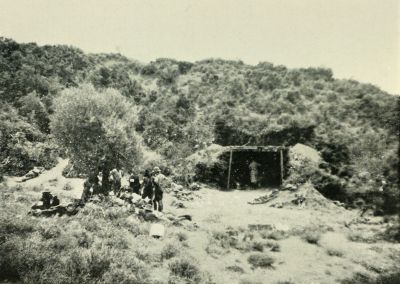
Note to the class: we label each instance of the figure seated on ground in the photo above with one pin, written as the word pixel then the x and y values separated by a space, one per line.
pixel 50 206
pixel 45 201
pixel 91 186
pixel 36 171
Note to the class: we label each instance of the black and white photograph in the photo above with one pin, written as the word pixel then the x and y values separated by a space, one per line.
pixel 199 141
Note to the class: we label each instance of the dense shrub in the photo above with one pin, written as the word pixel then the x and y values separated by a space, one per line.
pixel 103 243
pixel 169 251
pixel 186 269
pixel 22 145
pixel 67 186
pixel 387 278
pixel 262 260
pixel 334 252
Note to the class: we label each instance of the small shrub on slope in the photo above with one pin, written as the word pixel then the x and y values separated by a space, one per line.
pixel 312 237
pixel 186 269
pixel 261 260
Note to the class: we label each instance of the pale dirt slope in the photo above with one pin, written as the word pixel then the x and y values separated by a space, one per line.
pixel 52 180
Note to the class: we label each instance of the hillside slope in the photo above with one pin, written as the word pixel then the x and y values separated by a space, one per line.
pixel 186 106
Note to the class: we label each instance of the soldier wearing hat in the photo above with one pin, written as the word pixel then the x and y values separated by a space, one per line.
pixel 158 191
pixel 147 186
pixel 134 183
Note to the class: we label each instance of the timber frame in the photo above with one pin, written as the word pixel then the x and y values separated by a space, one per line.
pixel 274 149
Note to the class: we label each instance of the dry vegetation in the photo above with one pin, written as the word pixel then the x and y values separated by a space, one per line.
pixel 105 243
pixel 56 101
pixel 102 244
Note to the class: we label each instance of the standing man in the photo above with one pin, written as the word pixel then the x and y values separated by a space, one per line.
pixel 253 166
pixel 134 184
pixel 115 176
pixel 147 184
pixel 158 191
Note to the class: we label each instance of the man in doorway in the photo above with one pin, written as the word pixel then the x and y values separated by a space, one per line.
pixel 254 173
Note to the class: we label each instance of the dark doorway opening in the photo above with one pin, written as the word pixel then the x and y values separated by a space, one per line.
pixel 255 166
pixel 255 169
pixel 232 169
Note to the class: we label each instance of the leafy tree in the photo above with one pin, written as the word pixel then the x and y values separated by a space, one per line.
pixel 31 106
pixel 22 145
pixel 97 129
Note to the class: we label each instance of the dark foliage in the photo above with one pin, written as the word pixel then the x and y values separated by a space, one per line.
pixel 185 107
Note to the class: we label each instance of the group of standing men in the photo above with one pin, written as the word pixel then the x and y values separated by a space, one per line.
pixel 150 188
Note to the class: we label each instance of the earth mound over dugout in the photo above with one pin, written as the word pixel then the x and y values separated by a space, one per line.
pixel 303 152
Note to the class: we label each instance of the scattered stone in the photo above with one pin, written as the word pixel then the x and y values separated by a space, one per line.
pixel 157 230
pixel 260 227
pixel 265 198
pixel 194 187
pixel 178 204
pixel 116 201
pixel 176 187
pixel 149 216
pixel 290 187
pixel 338 203
pixel 185 217
pixel 182 220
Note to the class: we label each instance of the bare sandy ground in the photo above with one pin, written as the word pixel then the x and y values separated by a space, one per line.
pixel 52 180
pixel 298 261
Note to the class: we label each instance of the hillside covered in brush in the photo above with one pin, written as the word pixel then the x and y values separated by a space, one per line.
pixel 183 107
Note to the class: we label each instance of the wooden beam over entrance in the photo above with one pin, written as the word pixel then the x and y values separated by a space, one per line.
pixel 229 170
pixel 281 162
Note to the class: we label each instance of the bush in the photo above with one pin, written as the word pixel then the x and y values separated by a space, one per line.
pixel 334 252
pixel 169 251
pixel 392 232
pixel 67 187
pixel 235 268
pixel 389 278
pixel 312 237
pixel 358 236
pixel 126 271
pixel 276 235
pixel 262 260
pixel 16 226
pixel 274 246
pixel 186 269
pixel 224 239
pixel 181 236
pixel 258 246
pixel 251 280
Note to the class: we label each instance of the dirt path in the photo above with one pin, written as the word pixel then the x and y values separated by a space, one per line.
pixel 297 261
pixel 232 209
pixel 52 180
